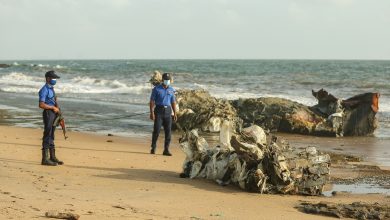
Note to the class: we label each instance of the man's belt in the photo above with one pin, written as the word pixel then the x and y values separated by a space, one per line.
pixel 163 106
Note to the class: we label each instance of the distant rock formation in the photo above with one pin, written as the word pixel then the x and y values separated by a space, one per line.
pixel 2 65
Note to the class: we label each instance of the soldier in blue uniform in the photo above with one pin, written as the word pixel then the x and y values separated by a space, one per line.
pixel 162 103
pixel 48 102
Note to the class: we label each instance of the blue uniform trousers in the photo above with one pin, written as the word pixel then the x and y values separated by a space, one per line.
pixel 163 118
pixel 48 134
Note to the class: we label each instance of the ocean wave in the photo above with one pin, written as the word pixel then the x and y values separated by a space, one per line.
pixel 21 79
pixel 17 82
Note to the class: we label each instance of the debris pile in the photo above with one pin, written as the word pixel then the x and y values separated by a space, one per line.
pixel 330 117
pixel 356 210
pixel 62 215
pixel 198 109
pixel 248 160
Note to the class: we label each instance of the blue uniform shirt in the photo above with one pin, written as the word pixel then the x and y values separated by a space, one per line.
pixel 162 96
pixel 47 95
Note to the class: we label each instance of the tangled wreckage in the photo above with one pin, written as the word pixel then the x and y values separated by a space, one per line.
pixel 246 156
pixel 355 116
pixel 249 161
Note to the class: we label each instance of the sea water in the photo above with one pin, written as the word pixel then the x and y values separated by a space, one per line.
pixel 109 96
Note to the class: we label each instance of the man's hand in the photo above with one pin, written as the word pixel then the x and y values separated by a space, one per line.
pixel 174 117
pixel 55 109
pixel 152 117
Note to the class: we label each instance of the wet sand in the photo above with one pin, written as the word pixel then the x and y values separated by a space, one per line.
pixel 110 177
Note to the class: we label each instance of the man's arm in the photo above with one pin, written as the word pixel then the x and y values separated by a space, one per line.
pixel 174 111
pixel 44 106
pixel 151 106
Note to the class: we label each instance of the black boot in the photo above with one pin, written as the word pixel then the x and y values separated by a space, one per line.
pixel 166 152
pixel 53 156
pixel 45 158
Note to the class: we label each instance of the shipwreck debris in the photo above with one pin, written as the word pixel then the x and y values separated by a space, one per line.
pixel 332 116
pixel 254 164
pixel 62 215
pixel 199 110
pixel 356 210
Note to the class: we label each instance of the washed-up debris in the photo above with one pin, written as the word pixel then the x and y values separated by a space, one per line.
pixel 62 215
pixel 156 78
pixel 248 160
pixel 198 109
pixel 356 210
pixel 330 117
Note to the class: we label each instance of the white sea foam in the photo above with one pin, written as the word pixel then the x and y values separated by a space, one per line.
pixel 17 82
pixel 59 67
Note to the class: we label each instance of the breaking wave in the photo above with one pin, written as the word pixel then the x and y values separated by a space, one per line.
pixel 17 82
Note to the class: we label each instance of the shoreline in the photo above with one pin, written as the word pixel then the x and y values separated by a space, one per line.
pixel 112 177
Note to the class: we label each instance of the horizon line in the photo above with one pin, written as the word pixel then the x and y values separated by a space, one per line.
pixel 200 59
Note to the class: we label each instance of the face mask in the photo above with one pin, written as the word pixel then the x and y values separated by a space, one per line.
pixel 53 82
pixel 167 82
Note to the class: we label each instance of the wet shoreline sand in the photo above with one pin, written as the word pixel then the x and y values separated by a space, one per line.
pixel 111 177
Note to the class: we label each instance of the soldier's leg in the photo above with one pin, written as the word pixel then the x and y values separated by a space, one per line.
pixel 156 130
pixel 167 123
pixel 47 140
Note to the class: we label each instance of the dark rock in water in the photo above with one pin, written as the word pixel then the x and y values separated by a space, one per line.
pixel 355 210
pixel 2 65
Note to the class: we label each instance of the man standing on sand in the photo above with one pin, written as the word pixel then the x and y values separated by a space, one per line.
pixel 162 103
pixel 48 102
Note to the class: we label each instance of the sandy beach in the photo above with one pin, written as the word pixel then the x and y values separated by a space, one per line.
pixel 110 177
